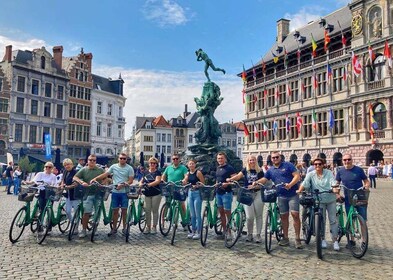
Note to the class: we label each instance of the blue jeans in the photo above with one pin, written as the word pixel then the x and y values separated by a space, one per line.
pixel 10 181
pixel 195 202
pixel 224 200
pixel 16 185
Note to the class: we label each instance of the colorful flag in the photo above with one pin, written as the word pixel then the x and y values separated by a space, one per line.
pixel 387 54
pixel 287 123
pixel 314 122
pixel 275 58
pixel 314 81
pixel 256 132
pixel 303 87
pixel 299 123
pixel 331 118
pixel 275 127
pixel 373 123
pixel 327 40
pixel 329 73
pixel 345 74
pixel 244 75
pixel 263 68
pixel 343 40
pixel 246 132
pixel 243 95
pixel 289 91
pixel 371 53
pixel 356 66
pixel 265 128
pixel 277 94
pixel 314 47
pixel 255 98
pixel 265 92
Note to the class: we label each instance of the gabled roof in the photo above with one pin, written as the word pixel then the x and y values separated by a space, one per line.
pixel 191 119
pixel 107 84
pixel 141 121
pixel 239 126
pixel 23 57
pixel 160 121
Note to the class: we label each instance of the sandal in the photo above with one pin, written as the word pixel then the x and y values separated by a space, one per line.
pixel 298 244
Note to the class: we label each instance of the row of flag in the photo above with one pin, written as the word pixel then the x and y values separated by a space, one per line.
pixel 299 124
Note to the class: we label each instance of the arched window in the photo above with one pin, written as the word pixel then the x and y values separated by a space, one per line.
pixel 42 62
pixel 98 151
pixel 293 159
pixel 109 151
pixel 380 115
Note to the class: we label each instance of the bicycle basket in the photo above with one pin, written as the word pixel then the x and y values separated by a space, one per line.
pixel 207 193
pixel 246 196
pixel 269 195
pixel 166 190
pixel 132 192
pixel 179 193
pixel 358 197
pixel 26 195
pixel 306 200
pixel 52 193
pixel 80 192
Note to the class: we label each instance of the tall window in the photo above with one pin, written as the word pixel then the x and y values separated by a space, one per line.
pixel 271 101
pixel 322 123
pixel 33 134
pixel 60 92
pixel 164 137
pixel 119 131
pixel 72 110
pixel 3 105
pixel 307 126
pixel 99 127
pixel 80 93
pixel 71 132
pixel 59 111
pixel 21 84
pixel 58 136
pixel 109 109
pixel 99 107
pixel 338 128
pixel 34 107
pixel 47 109
pixel 380 115
pixel 322 87
pixel 338 79
pixel 18 132
pixel 282 131
pixel 261 100
pixel 3 126
pixel 158 136
pixel 1 84
pixel 73 90
pixel 308 88
pixel 42 62
pixel 294 85
pixel 35 85
pixel 190 138
pixel 48 90
pixel 109 130
pixel 20 104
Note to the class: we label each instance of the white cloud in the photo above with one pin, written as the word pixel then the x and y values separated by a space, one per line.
pixel 153 93
pixel 165 12
pixel 28 44
pixel 304 16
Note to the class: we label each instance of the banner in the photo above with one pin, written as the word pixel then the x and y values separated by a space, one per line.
pixel 48 146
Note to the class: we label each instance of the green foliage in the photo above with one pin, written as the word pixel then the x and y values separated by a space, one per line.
pixel 26 166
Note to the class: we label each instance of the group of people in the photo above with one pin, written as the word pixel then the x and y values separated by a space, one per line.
pixel 320 178
pixel 13 176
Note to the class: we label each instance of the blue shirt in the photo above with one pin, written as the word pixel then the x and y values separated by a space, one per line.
pixel 222 174
pixel 283 174
pixel 351 178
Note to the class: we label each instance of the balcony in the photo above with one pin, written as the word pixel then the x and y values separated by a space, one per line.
pixel 121 119
pixel 376 85
pixel 379 134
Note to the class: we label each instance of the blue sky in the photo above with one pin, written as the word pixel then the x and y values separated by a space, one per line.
pixel 152 43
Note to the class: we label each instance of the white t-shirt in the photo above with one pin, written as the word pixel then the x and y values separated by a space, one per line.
pixel 46 178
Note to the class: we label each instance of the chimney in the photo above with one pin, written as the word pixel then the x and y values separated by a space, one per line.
pixel 186 113
pixel 58 55
pixel 282 29
pixel 8 53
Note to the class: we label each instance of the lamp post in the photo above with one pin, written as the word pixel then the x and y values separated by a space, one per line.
pixel 10 140
pixel 319 142
pixel 115 149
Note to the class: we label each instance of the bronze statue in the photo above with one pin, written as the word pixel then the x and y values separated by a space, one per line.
pixel 201 55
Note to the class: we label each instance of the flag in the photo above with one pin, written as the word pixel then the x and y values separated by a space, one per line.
pixel 265 93
pixel 331 118
pixel 298 54
pixel 244 75
pixel 356 66
pixel 243 95
pixel 373 123
pixel 289 91
pixel 275 58
pixel 275 127
pixel 315 81
pixel 256 133
pixel 246 132
pixel 387 55
pixel 345 74
pixel 314 122
pixel 285 58
pixel 343 40
pixel 263 68
pixel 299 123
pixel 371 53
pixel 327 40
pixel 287 123
pixel 329 73
pixel 277 94
pixel 265 128
pixel 48 146
pixel 314 47
pixel 303 87
pixel 255 98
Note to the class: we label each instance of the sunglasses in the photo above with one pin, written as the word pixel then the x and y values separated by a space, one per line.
pixel 318 164
pixel 175 158
pixel 48 166
pixel 123 158
pixel 153 163
pixel 92 160
pixel 275 157
pixel 347 159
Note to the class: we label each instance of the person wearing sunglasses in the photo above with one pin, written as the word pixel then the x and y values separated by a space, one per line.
pixel 121 173
pixel 353 177
pixel 288 200
pixel 323 179
pixel 176 171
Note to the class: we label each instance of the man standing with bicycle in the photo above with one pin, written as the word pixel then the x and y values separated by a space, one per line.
pixel 83 177
pixel 122 173
pixel 288 200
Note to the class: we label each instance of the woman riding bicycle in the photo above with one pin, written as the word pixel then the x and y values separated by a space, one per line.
pixel 251 173
pixel 194 198
pixel 323 179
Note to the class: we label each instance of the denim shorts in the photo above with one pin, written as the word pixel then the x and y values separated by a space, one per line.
pixel 119 200
pixel 88 204
pixel 286 204
pixel 225 200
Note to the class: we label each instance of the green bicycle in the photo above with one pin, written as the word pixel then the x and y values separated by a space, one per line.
pixel 49 217
pixel 355 228
pixel 179 195
pixel 211 217
pixel 79 193
pixel 25 216
pixel 136 212
pixel 272 220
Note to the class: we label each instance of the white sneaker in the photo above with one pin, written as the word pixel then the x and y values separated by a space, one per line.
pixel 336 247
pixel 249 238
pixel 82 234
pixel 196 236
pixel 190 235
pixel 258 239
pixel 324 244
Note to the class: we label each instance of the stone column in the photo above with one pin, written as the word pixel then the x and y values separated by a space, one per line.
pixel 389 120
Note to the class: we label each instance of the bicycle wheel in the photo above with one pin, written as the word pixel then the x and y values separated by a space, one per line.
pixel 43 225
pixel 142 220
pixel 233 230
pixel 268 232
pixel 318 233
pixel 279 231
pixel 307 221
pixel 218 225
pixel 175 224
pixel 130 222
pixel 18 225
pixel 357 236
pixel 165 219
pixel 74 223
pixel 205 227
pixel 90 223
pixel 95 224
pixel 33 224
pixel 119 220
pixel 64 222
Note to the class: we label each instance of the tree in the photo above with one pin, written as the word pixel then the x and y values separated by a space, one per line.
pixel 26 166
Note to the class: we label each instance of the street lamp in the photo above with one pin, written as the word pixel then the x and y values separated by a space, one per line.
pixel 319 142
pixel 10 140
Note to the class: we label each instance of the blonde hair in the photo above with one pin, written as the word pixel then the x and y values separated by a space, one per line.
pixel 257 168
pixel 68 161
pixel 153 159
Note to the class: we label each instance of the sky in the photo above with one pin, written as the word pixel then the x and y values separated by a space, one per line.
pixel 152 43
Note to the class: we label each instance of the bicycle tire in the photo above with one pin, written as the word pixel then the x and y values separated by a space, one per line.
pixel 130 221
pixel 119 220
pixel 359 235
pixel 44 225
pixel 268 232
pixel 165 219
pixel 279 231
pixel 233 229
pixel 174 224
pixel 204 228
pixel 142 220
pixel 218 225
pixel 64 222
pixel 95 224
pixel 74 223
pixel 318 233
pixel 20 221
pixel 307 228
pixel 33 224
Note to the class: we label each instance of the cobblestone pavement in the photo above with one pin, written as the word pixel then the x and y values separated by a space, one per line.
pixel 152 256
